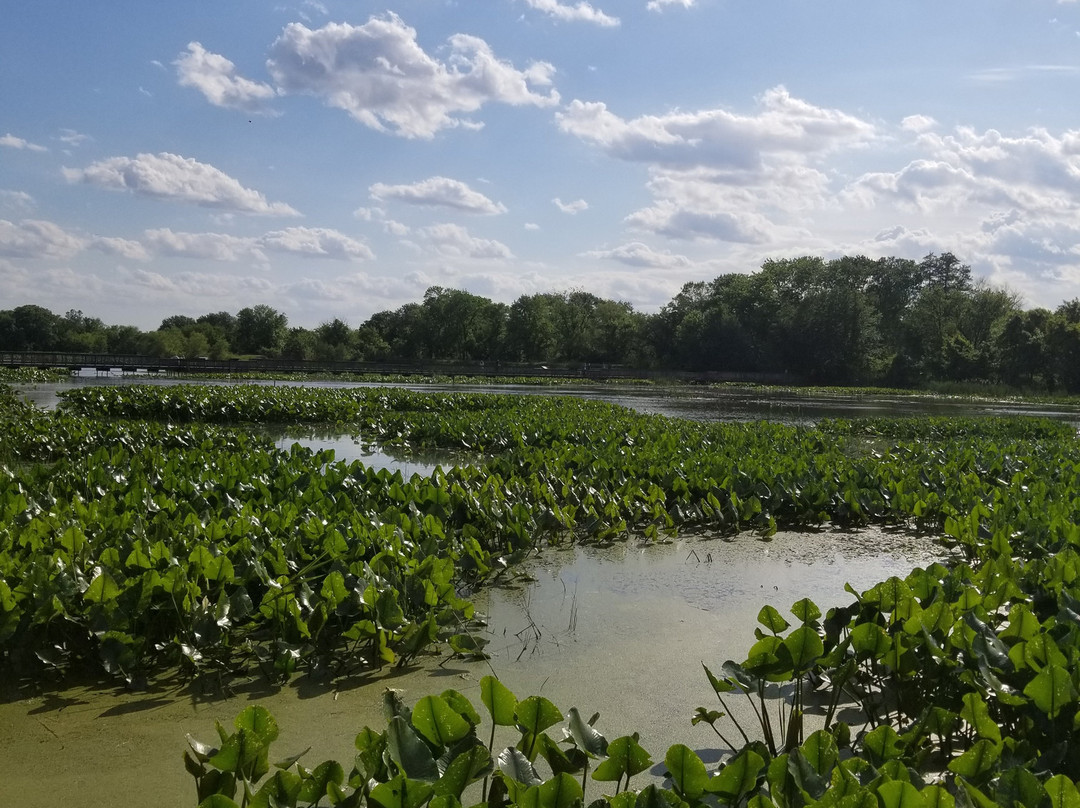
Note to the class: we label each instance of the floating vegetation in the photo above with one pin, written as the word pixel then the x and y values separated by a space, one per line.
pixel 142 530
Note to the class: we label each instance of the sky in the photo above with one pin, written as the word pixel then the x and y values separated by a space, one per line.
pixel 335 159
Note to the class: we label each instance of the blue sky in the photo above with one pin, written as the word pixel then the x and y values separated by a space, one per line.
pixel 335 159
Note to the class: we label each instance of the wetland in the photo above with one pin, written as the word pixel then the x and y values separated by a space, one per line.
pixel 157 540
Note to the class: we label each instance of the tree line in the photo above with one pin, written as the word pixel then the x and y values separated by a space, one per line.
pixel 851 320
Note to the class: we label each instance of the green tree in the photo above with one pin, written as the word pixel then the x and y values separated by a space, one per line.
pixel 260 330
pixel 532 330
pixel 1023 344
pixel 30 328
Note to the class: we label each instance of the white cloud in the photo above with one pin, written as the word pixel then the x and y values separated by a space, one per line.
pixel 13 142
pixel 379 74
pixel 33 238
pixel 1002 75
pixel 125 248
pixel 72 138
pixel 532 226
pixel 1036 172
pixel 204 246
pixel 581 12
pixel 660 5
pixel 215 77
pixel 313 242
pixel 182 179
pixel 726 176
pixel 16 200
pixel 717 137
pixel 317 242
pixel 636 254
pixel 454 241
pixel 572 208
pixel 438 192
pixel 667 218
pixel 918 123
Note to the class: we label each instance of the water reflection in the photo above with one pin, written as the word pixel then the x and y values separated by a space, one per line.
pixel 348 448
pixel 695 403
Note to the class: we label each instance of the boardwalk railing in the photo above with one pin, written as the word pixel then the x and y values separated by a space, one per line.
pixel 124 363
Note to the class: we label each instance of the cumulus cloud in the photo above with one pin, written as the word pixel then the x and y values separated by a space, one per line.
pixel 717 137
pixel 215 77
pixel 182 179
pixel 438 192
pixel 1036 172
pixel 721 175
pixel 572 208
pixel 454 241
pixel 581 12
pixel 204 246
pixel 13 142
pixel 317 242
pixel 918 123
pixel 122 247
pixel 34 238
pixel 313 242
pixel 379 74
pixel 667 218
pixel 636 254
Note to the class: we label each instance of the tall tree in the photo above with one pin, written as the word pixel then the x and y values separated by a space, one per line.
pixel 260 330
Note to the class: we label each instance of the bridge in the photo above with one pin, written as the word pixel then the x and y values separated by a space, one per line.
pixel 125 364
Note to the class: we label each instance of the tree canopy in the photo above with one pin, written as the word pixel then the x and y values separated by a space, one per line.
pixel 850 320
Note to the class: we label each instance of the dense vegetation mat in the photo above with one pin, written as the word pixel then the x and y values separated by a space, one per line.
pixel 141 530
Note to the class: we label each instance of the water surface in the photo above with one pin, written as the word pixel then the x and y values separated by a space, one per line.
pixel 620 630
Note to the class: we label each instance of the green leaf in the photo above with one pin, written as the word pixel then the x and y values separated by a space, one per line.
pixel 1051 690
pixel 653 796
pixel 738 777
pixel 687 771
pixel 625 758
pixel 936 796
pixel 1062 792
pixel 870 639
pixel 883 743
pixel 1019 786
pixel 318 783
pixel 409 752
pixel 897 794
pixel 464 769
pixel 401 792
pixel 259 722
pixel 977 760
pixel 805 646
pixel 977 714
pixel 500 702
pixel 435 720
pixel 102 589
pixel 461 705
pixel 821 752
pixel 772 620
pixel 281 788
pixel 561 791
pixel 806 610
pixel 535 714
pixel 218 801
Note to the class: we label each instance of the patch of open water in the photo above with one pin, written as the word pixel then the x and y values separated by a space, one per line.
pixel 621 630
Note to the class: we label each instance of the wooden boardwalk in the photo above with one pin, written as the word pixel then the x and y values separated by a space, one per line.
pixel 180 366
